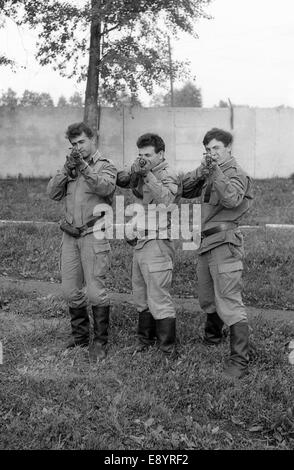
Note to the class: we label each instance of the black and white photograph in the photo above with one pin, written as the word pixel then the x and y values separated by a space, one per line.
pixel 146 228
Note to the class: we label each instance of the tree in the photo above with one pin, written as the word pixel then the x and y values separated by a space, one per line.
pixel 76 100
pixel 3 59
pixel 124 98
pixel 32 98
pixel 127 47
pixel 9 99
pixel 45 100
pixel 223 104
pixel 62 102
pixel 187 96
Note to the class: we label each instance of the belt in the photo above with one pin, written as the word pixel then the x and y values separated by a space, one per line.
pixel 219 228
pixel 78 232
pixel 92 223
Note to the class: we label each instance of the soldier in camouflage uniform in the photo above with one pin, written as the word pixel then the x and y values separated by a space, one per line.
pixel 226 194
pixel 86 180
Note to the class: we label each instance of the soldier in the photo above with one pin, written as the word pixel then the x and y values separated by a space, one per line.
pixel 153 183
pixel 226 194
pixel 85 180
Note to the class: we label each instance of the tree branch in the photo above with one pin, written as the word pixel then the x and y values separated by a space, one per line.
pixel 110 29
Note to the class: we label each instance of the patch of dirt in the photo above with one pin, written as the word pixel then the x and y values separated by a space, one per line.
pixel 44 288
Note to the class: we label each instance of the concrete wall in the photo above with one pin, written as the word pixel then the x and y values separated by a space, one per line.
pixel 32 140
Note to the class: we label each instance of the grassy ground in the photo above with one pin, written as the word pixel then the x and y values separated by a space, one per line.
pixel 27 200
pixel 55 399
pixel 33 252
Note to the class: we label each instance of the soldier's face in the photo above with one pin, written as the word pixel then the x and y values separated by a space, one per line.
pixel 218 150
pixel 83 143
pixel 147 152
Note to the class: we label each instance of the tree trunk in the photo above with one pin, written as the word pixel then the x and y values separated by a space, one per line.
pixel 91 97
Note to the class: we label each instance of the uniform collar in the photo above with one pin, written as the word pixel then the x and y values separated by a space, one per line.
pixel 231 163
pixel 95 157
pixel 160 166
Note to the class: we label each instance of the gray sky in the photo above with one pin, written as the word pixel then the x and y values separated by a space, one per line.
pixel 245 53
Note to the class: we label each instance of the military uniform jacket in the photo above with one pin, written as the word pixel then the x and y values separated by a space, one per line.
pixel 94 184
pixel 159 186
pixel 225 197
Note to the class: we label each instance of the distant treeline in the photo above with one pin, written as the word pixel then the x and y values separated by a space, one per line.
pixel 10 99
pixel 186 96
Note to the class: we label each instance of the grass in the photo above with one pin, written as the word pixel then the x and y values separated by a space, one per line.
pixel 32 252
pixel 26 199
pixel 55 399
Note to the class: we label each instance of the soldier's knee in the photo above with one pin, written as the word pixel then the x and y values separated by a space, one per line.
pixel 70 294
pixel 97 296
pixel 74 297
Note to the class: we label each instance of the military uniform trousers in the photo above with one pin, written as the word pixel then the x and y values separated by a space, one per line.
pixel 219 274
pixel 85 262
pixel 152 277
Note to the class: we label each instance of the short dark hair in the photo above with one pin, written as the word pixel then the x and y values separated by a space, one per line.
pixel 218 134
pixel 76 129
pixel 151 139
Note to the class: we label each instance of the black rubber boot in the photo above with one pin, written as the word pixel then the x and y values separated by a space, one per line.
pixel 101 325
pixel 79 320
pixel 145 331
pixel 166 334
pixel 213 330
pixel 237 365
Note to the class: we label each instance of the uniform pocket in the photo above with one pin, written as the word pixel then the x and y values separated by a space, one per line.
pixel 229 278
pixel 230 267
pixel 158 266
pixel 101 260
pixel 160 276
